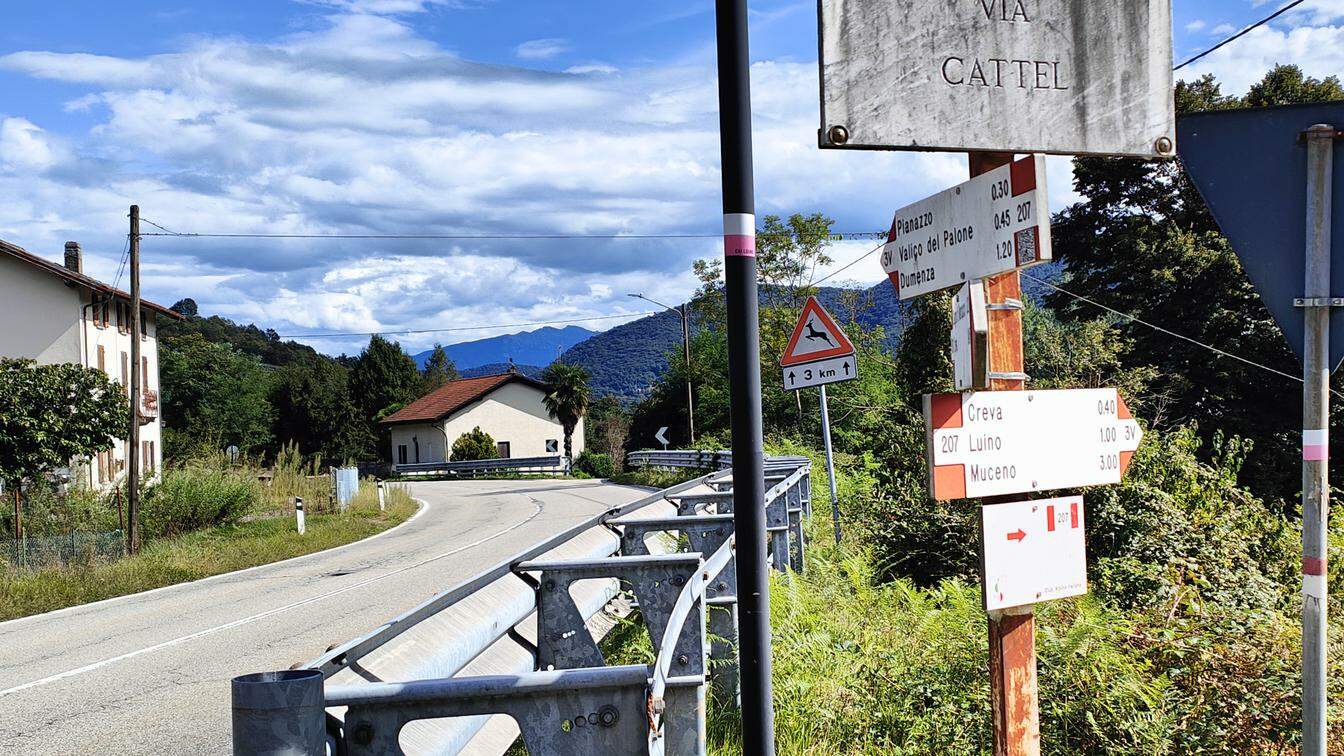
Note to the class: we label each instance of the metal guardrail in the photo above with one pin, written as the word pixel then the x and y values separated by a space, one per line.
pixel 515 640
pixel 702 460
pixel 473 468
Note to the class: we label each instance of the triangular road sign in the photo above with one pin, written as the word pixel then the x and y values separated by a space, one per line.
pixel 1251 168
pixel 816 337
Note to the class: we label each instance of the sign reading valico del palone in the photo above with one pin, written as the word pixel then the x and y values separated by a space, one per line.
pixel 996 222
pixel 970 337
pixel 1057 76
pixel 1032 551
pixel 990 443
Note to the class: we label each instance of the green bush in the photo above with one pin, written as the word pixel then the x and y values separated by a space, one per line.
pixel 195 495
pixel 595 465
pixel 474 444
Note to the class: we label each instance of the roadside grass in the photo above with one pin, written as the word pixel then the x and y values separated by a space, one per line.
pixel 198 554
pixel 655 478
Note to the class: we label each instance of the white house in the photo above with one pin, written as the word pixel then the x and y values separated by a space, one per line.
pixel 508 406
pixel 56 314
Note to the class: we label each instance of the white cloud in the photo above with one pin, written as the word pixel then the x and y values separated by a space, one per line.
pixel 24 147
pixel 1222 29
pixel 1318 50
pixel 541 49
pixel 1195 25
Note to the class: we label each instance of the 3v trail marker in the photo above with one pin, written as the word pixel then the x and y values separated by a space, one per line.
pixel 990 443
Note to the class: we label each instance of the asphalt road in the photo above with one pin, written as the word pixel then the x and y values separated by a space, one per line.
pixel 149 674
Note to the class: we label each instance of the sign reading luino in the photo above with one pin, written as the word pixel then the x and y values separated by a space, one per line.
pixel 1056 76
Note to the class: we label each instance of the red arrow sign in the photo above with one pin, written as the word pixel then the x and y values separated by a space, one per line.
pixel 1017 535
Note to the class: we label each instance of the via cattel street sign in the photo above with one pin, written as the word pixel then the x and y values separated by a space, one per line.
pixel 1032 551
pixel 996 222
pixel 818 352
pixel 991 443
pixel 970 337
pixel 1250 166
pixel 1056 76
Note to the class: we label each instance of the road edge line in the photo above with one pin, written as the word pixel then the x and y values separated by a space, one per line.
pixel 424 507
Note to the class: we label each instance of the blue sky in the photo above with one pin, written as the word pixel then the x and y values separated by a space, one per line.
pixel 451 116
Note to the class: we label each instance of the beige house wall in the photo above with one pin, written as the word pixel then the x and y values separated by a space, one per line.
pixel 512 413
pixel 48 321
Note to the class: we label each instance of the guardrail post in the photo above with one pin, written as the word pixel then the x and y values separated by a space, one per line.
pixel 777 528
pixel 279 713
pixel 723 673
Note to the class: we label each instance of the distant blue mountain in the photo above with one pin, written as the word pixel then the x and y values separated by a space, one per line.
pixel 495 368
pixel 539 347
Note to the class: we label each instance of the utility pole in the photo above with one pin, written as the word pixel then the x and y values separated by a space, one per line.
pixel 1315 435
pixel 1012 633
pixel 133 440
pixel 744 377
pixel 686 350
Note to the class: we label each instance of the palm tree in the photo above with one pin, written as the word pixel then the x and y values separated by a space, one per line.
pixel 566 398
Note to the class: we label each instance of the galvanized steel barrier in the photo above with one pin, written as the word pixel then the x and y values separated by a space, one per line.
pixel 478 467
pixel 515 640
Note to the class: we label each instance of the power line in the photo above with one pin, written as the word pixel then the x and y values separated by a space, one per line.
pixel 839 235
pixel 1243 32
pixel 1160 329
pixel 848 265
pixel 333 334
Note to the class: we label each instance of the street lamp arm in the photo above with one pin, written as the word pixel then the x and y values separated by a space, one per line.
pixel 654 301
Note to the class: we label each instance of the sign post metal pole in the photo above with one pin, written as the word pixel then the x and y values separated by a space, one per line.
pixel 744 377
pixel 1315 435
pixel 830 461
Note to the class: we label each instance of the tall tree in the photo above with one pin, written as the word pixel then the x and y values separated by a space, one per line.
pixel 313 409
pixel 51 414
pixel 212 394
pixel 439 369
pixel 1143 242
pixel 566 398
pixel 383 375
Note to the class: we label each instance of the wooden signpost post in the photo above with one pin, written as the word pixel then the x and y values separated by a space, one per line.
pixel 993 79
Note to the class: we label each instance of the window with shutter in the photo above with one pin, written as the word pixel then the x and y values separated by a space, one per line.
pixel 126 373
pixel 102 358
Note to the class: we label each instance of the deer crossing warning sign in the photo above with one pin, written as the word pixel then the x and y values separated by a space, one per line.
pixel 818 352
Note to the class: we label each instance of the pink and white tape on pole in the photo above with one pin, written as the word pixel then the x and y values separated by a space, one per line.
pixel 739 235
pixel 1315 445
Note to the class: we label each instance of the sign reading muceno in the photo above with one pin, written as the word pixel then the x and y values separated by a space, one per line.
pixel 994 223
pixel 1055 76
pixel 990 443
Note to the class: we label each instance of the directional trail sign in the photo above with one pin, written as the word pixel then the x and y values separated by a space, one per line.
pixel 996 222
pixel 990 443
pixel 1251 169
pixel 818 352
pixel 970 337
pixel 1058 76
pixel 1032 551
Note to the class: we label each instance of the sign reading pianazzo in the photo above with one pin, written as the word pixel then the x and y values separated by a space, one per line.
pixel 1055 76
pixel 989 443
pixel 994 223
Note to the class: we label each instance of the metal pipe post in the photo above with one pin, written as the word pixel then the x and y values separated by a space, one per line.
pixel 686 349
pixel 830 462
pixel 1315 437
pixel 744 375
pixel 278 713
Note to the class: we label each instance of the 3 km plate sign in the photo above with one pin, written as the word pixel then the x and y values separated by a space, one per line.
pixel 996 222
pixel 990 443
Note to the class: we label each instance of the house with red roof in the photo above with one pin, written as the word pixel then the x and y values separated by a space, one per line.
pixel 508 406
pixel 56 314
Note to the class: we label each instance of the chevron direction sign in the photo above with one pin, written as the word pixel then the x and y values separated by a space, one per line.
pixel 990 443
pixel 996 222
pixel 1033 551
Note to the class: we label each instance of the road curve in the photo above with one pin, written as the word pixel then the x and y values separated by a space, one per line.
pixel 149 674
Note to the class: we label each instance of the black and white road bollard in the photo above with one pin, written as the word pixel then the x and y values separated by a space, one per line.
pixel 298 513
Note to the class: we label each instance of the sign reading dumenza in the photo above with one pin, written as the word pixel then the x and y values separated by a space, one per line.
pixel 1056 76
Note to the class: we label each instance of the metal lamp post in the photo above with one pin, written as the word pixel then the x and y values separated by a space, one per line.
pixel 686 351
